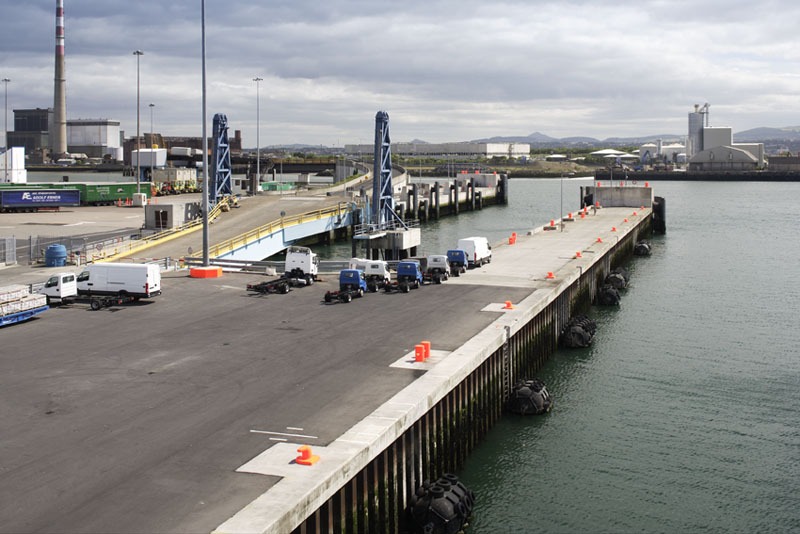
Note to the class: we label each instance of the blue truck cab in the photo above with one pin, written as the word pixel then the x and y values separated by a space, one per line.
pixel 458 261
pixel 352 280
pixel 409 271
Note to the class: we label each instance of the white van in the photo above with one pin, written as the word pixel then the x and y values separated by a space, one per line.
pixel 138 280
pixel 477 249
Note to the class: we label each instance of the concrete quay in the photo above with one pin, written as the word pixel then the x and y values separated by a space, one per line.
pixel 184 413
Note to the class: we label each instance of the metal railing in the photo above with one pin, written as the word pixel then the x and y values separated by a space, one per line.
pixel 270 228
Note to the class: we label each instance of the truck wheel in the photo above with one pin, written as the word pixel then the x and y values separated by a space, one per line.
pixel 95 304
pixel 457 272
pixel 359 293
pixel 283 289
pixel 446 276
pixel 404 288
pixel 328 297
pixel 437 279
pixel 346 297
pixel 416 284
pixel 309 279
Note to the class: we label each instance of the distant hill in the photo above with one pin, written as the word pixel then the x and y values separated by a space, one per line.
pixel 788 133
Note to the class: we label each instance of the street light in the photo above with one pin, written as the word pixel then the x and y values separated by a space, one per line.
pixel 138 53
pixel 5 139
pixel 258 134
pixel 152 145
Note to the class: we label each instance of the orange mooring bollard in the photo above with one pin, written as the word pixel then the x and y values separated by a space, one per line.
pixel 550 275
pixel 578 254
pixel 426 346
pixel 597 204
pixel 599 239
pixel 647 184
pixel 508 305
pixel 583 215
pixel 625 219
pixel 634 214
pixel 419 353
pixel 306 458
pixel 613 228
pixel 552 222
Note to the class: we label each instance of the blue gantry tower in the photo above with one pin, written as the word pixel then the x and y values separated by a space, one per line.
pixel 221 177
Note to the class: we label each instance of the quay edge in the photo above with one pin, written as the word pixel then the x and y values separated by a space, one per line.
pixel 365 477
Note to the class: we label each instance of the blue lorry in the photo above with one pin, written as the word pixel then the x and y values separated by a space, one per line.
pixel 352 284
pixel 458 261
pixel 409 276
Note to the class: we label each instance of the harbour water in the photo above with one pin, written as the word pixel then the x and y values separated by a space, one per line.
pixel 684 414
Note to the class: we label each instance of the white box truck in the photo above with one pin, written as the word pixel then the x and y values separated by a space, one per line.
pixel 136 280
pixel 478 250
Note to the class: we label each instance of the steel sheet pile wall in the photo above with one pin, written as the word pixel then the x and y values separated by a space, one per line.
pixel 439 442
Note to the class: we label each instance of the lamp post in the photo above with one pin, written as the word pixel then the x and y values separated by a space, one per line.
pixel 258 134
pixel 206 259
pixel 138 54
pixel 5 138
pixel 152 145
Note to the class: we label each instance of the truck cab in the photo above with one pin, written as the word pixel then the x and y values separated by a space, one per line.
pixel 60 287
pixel 438 267
pixel 458 261
pixel 302 263
pixel 352 280
pixel 409 271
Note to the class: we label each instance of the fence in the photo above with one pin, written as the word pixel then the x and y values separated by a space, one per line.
pixel 8 250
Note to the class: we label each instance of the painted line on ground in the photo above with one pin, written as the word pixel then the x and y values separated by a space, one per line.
pixel 282 434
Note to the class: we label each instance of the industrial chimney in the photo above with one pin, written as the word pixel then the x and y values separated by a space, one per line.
pixel 58 135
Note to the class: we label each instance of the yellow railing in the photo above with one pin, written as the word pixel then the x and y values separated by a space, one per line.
pixel 127 248
pixel 271 227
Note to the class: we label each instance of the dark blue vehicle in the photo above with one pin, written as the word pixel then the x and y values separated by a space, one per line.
pixel 352 284
pixel 458 261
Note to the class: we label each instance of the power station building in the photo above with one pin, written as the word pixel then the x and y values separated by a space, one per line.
pixel 96 138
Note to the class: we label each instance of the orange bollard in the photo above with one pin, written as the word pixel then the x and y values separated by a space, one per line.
pixel 578 254
pixel 599 239
pixel 552 222
pixel 426 345
pixel 508 305
pixel 583 215
pixel 625 219
pixel 419 353
pixel 569 215
pixel 647 184
pixel 597 204
pixel 306 458
pixel 599 184
pixel 634 214
pixel 613 228
pixel 586 209
pixel 550 275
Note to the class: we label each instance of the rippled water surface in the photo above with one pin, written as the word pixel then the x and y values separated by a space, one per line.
pixel 684 416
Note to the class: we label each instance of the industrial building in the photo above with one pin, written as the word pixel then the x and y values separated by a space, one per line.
pixel 472 150
pixel 713 149
pixel 96 138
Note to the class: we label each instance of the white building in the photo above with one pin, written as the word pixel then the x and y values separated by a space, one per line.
pixel 12 165
pixel 94 137
pixel 487 150
pixel 720 153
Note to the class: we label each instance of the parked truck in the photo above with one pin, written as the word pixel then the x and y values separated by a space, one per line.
pixel 301 263
pixel 458 261
pixel 377 272
pixel 478 250
pixel 409 276
pixel 352 284
pixel 438 268
pixel 17 304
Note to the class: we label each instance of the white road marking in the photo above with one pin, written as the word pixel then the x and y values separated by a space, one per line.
pixel 283 434
pixel 294 428
pixel 278 439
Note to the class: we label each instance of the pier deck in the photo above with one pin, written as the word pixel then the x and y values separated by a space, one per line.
pixel 137 418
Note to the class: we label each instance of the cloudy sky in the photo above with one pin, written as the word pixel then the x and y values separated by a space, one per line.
pixel 444 70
